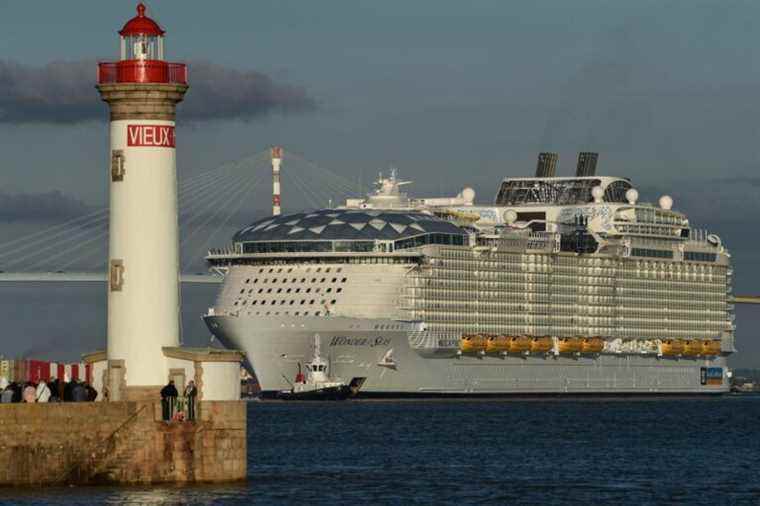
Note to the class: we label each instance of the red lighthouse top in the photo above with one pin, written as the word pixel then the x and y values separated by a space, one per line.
pixel 142 56
pixel 141 24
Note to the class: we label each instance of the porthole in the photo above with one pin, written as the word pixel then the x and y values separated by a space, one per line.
pixel 256 280
pixel 293 280
pixel 296 313
pixel 267 313
pixel 269 290
pixel 308 269
pixel 327 270
pixel 244 303
pixel 261 290
pixel 322 302
pixel 338 290
pixel 271 270
pixel 316 290
pixel 334 280
pixel 253 302
pixel 247 280
pixel 308 290
pixel 311 301
pixel 277 314
pixel 306 313
pixel 339 269
pixel 235 303
pixel 313 280
pixel 291 302
pixel 279 290
pixel 274 280
pixel 319 269
pixel 302 302
pixel 298 290
pixel 261 270
pixel 322 280
pixel 343 280
pixel 282 302
pixel 288 290
pixel 279 270
pixel 242 291
pixel 303 280
pixel 329 290
pixel 317 313
pixel 332 301
pixel 250 291
pixel 290 270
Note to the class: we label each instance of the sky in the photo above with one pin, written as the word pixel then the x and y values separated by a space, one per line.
pixel 452 93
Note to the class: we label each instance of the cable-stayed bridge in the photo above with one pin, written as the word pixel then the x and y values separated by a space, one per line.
pixel 213 204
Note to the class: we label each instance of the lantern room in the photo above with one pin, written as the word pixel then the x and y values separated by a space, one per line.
pixel 142 56
pixel 142 38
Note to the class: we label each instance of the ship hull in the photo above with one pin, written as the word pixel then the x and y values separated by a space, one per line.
pixel 358 349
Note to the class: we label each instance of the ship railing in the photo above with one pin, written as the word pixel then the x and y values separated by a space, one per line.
pixel 430 340
pixel 528 241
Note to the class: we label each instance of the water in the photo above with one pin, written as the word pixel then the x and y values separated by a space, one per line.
pixel 686 451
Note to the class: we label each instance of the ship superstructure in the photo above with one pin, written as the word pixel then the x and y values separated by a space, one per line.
pixel 563 284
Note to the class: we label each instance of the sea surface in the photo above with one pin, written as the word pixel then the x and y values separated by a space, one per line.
pixel 542 451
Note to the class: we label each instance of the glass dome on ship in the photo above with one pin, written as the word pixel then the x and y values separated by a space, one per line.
pixel 339 230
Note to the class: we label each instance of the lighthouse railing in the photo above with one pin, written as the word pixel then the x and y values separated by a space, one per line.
pixel 142 71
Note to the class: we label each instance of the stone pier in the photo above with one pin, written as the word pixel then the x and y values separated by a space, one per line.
pixel 120 443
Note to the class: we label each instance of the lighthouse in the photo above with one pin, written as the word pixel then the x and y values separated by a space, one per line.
pixel 142 90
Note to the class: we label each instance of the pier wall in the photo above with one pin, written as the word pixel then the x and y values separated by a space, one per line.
pixel 120 442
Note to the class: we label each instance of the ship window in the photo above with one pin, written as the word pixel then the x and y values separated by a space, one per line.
pixel 339 269
pixel 235 304
pixel 339 290
pixel 334 280
pixel 316 290
pixel 253 302
pixel 293 280
pixel 291 302
pixel 308 290
pixel 317 313
pixel 303 280
pixel 290 270
pixel 319 269
pixel 311 301
pixel 343 280
pixel 269 290
pixel 274 280
pixel 289 289
pixel 329 290
pixel 247 280
pixel 332 301
pixel 322 280
pixel 279 270
pixel 261 290
pixel 303 301
pixel 279 290
pixel 242 291
pixel 298 290
pixel 271 270
pixel 282 303
pixel 313 280
pixel 297 313
pixel 261 270
pixel 306 313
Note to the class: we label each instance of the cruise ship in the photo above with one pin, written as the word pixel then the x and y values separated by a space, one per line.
pixel 564 285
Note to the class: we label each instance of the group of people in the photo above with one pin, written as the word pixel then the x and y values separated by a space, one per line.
pixel 176 408
pixel 54 391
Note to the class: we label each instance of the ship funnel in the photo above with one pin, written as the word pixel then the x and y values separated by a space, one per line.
pixel 586 164
pixel 547 165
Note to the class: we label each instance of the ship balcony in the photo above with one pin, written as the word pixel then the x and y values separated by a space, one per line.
pixel 142 72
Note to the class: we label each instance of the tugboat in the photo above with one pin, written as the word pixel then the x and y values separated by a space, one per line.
pixel 316 385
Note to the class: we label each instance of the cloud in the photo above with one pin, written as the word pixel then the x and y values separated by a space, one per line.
pixel 50 206
pixel 62 93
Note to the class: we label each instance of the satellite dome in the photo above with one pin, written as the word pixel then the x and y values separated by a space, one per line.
pixel 598 193
pixel 510 216
pixel 666 202
pixel 632 196
pixel 468 194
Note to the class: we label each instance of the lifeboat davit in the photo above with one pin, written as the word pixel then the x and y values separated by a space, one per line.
pixel 472 343
pixel 519 344
pixel 711 347
pixel 541 345
pixel 592 345
pixel 570 344
pixel 692 348
pixel 497 344
pixel 672 347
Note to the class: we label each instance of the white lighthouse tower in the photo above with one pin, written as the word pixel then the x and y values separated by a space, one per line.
pixel 142 90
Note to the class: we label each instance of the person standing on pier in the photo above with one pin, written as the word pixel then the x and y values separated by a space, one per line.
pixel 191 392
pixel 169 396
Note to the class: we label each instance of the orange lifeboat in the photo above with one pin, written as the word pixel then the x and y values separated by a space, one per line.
pixel 711 347
pixel 497 344
pixel 541 344
pixel 570 344
pixel 592 345
pixel 672 347
pixel 519 344
pixel 472 343
pixel 692 348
